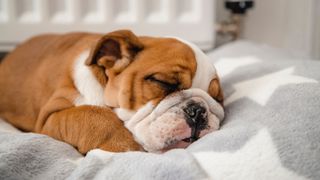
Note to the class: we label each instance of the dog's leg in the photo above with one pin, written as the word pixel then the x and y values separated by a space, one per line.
pixel 88 127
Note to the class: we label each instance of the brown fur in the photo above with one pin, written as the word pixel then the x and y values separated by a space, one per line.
pixel 37 90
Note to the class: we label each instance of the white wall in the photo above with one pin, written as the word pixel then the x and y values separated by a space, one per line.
pixel 293 25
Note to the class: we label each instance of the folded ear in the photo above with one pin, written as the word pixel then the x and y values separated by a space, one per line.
pixel 115 50
pixel 215 90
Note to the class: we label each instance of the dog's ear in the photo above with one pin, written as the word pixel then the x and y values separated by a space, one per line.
pixel 215 90
pixel 115 50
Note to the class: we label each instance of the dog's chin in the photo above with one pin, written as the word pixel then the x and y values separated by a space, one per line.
pixel 184 142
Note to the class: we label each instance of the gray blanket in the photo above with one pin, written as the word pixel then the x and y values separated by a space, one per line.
pixel 271 131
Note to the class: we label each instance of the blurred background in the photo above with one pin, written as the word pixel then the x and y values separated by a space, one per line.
pixel 292 26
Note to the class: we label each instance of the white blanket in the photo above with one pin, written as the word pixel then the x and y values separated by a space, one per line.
pixel 271 131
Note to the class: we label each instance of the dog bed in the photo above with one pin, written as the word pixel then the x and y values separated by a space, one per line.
pixel 271 131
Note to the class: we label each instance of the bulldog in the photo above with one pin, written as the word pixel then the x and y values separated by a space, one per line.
pixel 117 92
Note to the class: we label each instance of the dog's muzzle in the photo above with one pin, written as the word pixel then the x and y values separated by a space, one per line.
pixel 177 121
pixel 197 119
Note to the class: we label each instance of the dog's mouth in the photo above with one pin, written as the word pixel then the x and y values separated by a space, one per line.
pixel 184 143
pixel 177 145
pixel 190 139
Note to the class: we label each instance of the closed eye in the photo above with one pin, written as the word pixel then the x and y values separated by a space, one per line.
pixel 169 87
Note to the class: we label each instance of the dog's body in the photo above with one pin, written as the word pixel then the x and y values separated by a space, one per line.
pixel 38 91
pixel 72 87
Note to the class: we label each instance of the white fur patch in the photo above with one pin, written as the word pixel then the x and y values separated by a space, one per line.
pixel 124 114
pixel 91 91
pixel 205 71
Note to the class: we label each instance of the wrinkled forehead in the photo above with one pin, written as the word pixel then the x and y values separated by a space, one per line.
pixel 166 55
pixel 204 71
pixel 193 58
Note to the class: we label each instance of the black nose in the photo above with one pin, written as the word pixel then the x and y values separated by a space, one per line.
pixel 196 118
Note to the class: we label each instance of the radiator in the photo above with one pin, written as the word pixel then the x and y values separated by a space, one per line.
pixel 189 19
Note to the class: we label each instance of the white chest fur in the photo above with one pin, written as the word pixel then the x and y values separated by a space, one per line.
pixel 91 91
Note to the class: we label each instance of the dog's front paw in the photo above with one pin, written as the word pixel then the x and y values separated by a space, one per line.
pixel 111 146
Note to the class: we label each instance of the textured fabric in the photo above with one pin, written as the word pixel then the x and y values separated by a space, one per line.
pixel 271 131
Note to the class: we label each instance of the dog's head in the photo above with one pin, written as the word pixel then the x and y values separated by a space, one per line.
pixel 164 89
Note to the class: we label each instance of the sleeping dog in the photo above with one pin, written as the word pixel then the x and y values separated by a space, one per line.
pixel 117 92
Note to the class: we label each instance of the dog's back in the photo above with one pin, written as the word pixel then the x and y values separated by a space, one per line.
pixel 27 70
